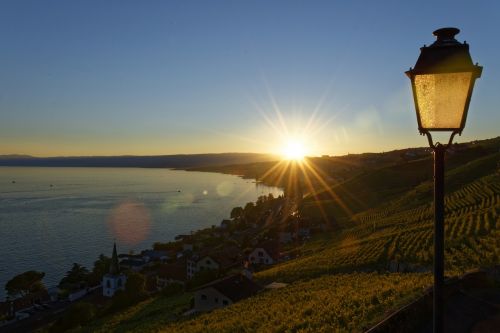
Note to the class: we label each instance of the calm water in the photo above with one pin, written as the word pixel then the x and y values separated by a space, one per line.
pixel 52 217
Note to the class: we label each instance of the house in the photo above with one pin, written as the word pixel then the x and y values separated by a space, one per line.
pixel 225 224
pixel 266 253
pixel 135 265
pixel 200 263
pixel 14 308
pixel 131 256
pixel 171 273
pixel 114 280
pixel 153 255
pixel 218 262
pixel 224 292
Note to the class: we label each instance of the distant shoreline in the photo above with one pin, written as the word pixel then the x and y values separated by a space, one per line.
pixel 162 161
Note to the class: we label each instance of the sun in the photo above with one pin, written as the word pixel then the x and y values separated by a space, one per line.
pixel 294 150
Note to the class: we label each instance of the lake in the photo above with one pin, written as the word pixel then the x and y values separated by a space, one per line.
pixel 53 217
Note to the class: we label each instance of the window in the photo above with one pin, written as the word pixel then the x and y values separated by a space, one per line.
pixel 119 282
pixel 252 258
pixel 261 254
pixel 108 283
pixel 216 299
pixel 224 302
pixel 267 261
pixel 207 262
pixel 203 297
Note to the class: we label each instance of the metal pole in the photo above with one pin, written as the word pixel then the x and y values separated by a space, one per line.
pixel 439 152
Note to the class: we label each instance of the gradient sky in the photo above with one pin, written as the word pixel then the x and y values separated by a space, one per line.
pixel 163 77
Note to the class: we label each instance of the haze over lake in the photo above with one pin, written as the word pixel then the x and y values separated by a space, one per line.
pixel 53 217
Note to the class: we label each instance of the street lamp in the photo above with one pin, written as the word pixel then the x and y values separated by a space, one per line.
pixel 442 82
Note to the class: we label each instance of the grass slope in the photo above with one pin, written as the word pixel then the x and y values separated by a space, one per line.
pixel 345 302
pixel 147 316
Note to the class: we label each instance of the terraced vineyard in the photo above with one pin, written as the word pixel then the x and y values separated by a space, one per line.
pixel 405 236
pixel 331 303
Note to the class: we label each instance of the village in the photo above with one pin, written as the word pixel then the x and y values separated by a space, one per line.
pixel 215 264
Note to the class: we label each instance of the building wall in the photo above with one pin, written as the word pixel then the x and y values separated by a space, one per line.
pixel 205 263
pixel 208 299
pixel 260 256
pixel 190 268
pixel 113 283
pixel 163 282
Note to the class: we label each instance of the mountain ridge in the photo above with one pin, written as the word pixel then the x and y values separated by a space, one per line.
pixel 151 161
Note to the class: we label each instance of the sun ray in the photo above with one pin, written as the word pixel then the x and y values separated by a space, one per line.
pixel 322 174
pixel 276 108
pixel 316 199
pixel 329 190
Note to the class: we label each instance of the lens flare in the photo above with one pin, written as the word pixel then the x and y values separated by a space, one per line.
pixel 130 222
pixel 225 188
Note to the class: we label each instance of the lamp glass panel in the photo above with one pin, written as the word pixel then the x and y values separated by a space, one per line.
pixel 441 99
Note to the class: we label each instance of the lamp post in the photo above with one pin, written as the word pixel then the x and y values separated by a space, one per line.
pixel 442 82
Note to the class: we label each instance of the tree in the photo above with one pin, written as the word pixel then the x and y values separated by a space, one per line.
pixel 249 211
pixel 249 207
pixel 261 200
pixel 236 212
pixel 25 283
pixel 170 246
pixel 135 285
pixel 74 277
pixel 77 315
pixel 133 293
pixel 101 267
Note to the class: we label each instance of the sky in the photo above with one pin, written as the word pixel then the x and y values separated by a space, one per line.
pixel 165 77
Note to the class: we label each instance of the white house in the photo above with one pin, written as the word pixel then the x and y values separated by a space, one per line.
pixel 219 262
pixel 266 254
pixel 114 280
pixel 196 264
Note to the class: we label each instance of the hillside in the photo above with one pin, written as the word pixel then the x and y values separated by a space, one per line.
pixel 375 260
pixel 162 161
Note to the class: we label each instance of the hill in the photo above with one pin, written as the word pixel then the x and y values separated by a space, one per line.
pixel 164 161
pixel 376 255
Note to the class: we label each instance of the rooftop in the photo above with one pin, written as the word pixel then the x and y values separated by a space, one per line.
pixel 235 287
